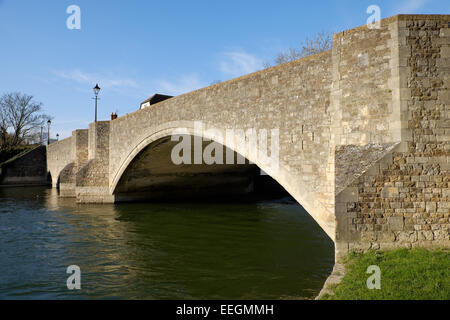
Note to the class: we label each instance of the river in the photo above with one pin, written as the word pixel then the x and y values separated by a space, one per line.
pixel 263 250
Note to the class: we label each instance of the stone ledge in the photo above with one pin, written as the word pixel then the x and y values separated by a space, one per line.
pixel 335 278
pixel 352 161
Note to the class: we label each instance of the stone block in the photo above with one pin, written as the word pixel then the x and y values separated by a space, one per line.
pixel 386 236
pixel 407 236
pixel 443 63
pixel 441 234
pixel 359 246
pixel 445 33
pixel 425 235
pixel 396 223
pixel 445 52
pixel 389 245
pixel 369 236
pixel 431 207
pixel 349 194
pixel 444 95
pixel 374 170
pixel 389 192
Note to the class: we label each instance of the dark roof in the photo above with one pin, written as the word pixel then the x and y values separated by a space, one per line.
pixel 156 98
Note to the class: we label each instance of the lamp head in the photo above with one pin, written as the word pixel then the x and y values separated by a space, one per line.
pixel 96 89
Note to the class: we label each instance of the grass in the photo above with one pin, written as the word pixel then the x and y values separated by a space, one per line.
pixel 416 274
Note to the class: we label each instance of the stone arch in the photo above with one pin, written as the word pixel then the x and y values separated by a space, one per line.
pixel 55 174
pixel 67 174
pixel 66 180
pixel 283 176
pixel 59 155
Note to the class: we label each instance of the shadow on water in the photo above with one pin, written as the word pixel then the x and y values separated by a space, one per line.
pixel 265 250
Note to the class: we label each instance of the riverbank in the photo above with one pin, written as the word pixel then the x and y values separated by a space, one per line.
pixel 11 153
pixel 27 167
pixel 416 274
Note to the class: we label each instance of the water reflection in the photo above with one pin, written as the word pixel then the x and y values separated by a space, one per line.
pixel 268 250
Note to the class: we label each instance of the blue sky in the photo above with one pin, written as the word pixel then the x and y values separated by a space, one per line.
pixel 135 48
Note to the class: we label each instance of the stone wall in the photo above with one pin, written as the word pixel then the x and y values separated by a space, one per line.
pixel 364 85
pixel 80 145
pixel 27 169
pixel 403 200
pixel 67 177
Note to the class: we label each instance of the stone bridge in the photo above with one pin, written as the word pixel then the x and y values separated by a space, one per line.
pixel 364 134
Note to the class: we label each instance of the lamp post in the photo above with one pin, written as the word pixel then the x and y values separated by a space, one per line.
pixel 42 137
pixel 96 91
pixel 48 131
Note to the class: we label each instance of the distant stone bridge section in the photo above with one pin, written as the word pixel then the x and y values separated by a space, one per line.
pixel 364 137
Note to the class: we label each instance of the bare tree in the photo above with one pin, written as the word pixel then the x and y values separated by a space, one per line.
pixel 290 55
pixel 4 135
pixel 320 43
pixel 20 115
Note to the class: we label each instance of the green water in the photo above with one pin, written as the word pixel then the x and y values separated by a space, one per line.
pixel 264 250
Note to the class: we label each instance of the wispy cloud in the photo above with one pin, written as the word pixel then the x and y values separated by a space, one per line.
pixel 124 85
pixel 233 64
pixel 238 63
pixel 106 80
pixel 410 6
pixel 183 84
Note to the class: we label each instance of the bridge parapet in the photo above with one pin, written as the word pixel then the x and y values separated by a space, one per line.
pixel 80 147
pixel 365 93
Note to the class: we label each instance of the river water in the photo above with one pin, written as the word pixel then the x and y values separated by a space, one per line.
pixel 263 250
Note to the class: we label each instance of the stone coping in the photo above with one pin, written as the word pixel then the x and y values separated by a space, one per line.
pixel 398 17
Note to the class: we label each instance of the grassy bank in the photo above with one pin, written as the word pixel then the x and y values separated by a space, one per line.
pixel 405 275
pixel 8 154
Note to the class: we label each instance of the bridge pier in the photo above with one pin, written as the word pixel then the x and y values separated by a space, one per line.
pixel 92 180
pixel 67 179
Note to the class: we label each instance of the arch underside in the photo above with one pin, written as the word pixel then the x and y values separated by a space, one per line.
pixel 153 175
pixel 148 172
pixel 56 173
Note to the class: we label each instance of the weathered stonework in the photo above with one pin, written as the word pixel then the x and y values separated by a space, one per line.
pixel 92 183
pixel 59 155
pixel 79 148
pixel 364 134
pixel 403 200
